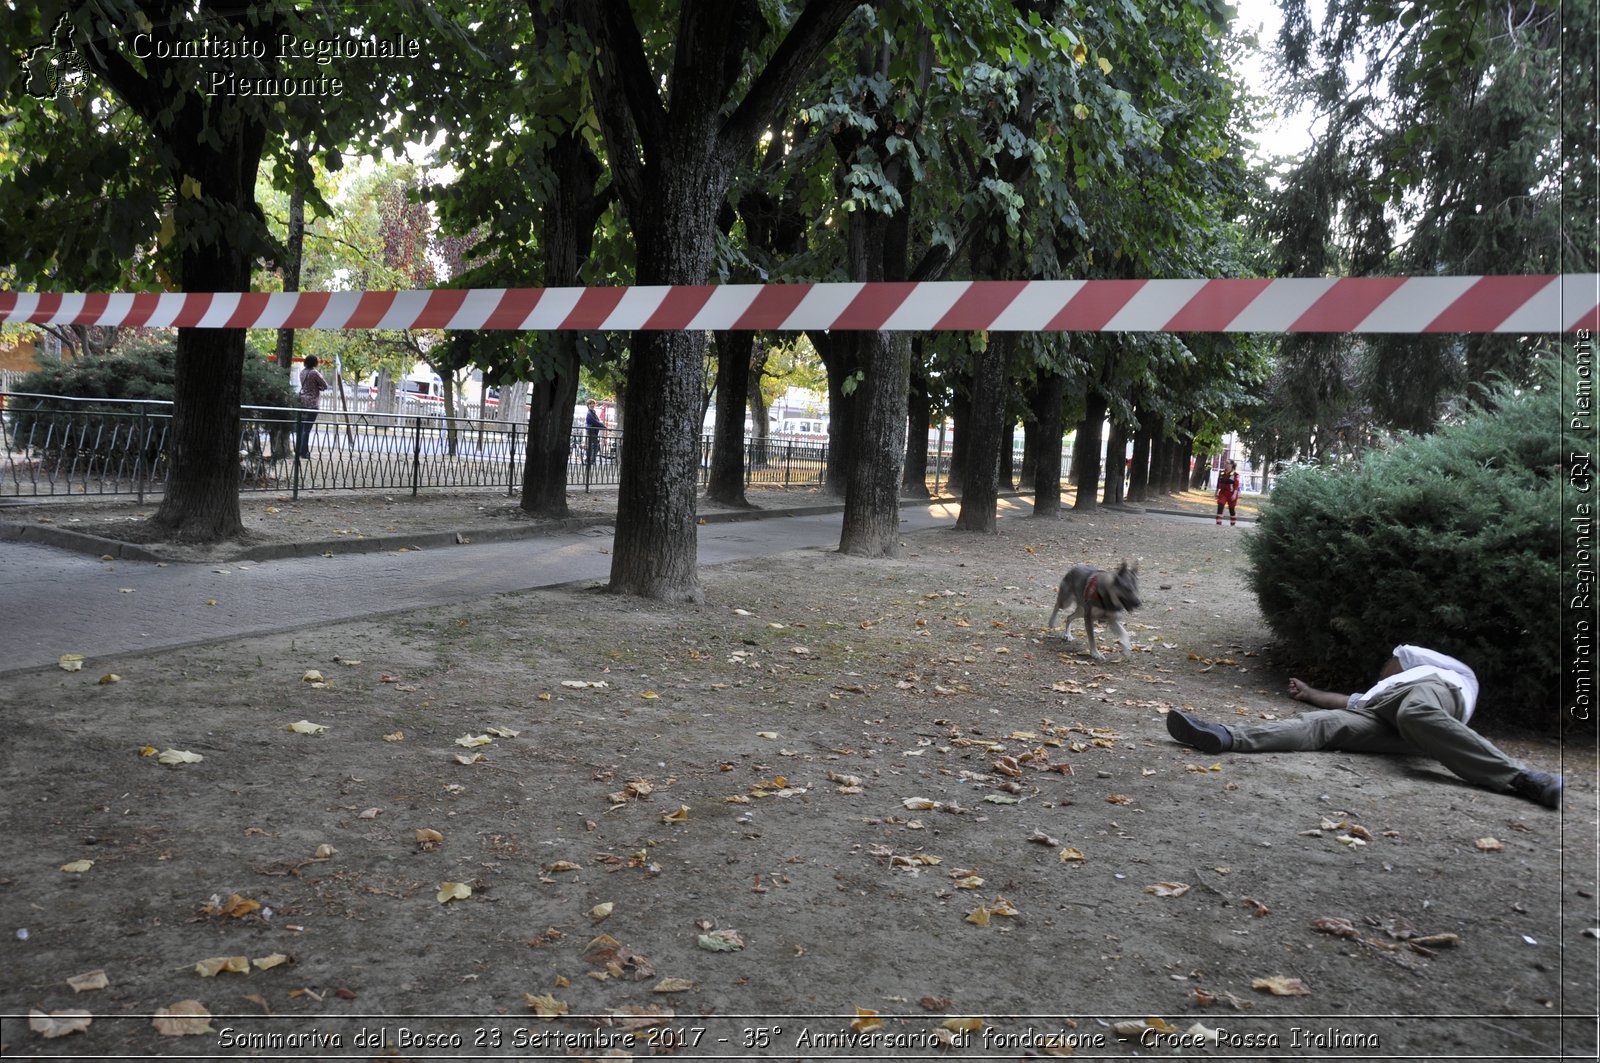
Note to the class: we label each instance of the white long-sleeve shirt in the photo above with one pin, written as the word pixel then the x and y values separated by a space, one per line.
pixel 1419 662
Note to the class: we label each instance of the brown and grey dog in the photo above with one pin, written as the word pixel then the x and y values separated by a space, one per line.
pixel 1098 594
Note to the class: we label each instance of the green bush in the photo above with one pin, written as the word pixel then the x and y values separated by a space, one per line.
pixel 141 368
pixel 1450 541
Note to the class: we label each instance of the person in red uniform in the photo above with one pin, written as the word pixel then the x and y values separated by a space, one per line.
pixel 1228 493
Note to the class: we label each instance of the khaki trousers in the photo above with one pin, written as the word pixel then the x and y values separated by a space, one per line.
pixel 1418 719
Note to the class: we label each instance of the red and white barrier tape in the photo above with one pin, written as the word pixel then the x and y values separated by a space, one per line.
pixel 1537 304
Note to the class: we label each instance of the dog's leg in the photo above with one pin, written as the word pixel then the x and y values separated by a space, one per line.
pixel 1061 599
pixel 1088 627
pixel 1122 633
pixel 1066 628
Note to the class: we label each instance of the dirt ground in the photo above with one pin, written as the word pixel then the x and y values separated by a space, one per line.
pixel 839 787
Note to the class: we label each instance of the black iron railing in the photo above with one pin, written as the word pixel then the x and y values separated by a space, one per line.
pixel 53 445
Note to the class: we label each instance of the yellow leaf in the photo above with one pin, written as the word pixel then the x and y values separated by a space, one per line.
pixel 866 1021
pixel 672 985
pixel 178 756
pixel 428 836
pixel 1105 65
pixel 324 852
pixel 502 732
pixel 544 697
pixel 1070 853
pixel 148 751
pixel 1280 986
pixel 185 1018
pixel 190 188
pixel 1080 54
pixel 70 662
pixel 1080 112
pixel 218 964
pixel 77 867
pixel 398 736
pixel 649 695
pixel 469 741
pixel 562 865
pixel 979 916
pixel 679 816
pixel 766 734
pixel 971 882
pixel 267 963
pixel 84 983
pixel 453 891
pixel 957 1024
pixel 1168 889
pixel 469 758
pixel 306 727
pixel 312 676
pixel 168 230
pixel 545 1006
pixel 211 601
pixel 59 1023
pixel 601 911
pixel 1488 845
pixel 109 678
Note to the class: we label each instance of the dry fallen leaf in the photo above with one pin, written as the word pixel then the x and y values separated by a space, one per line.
pixel 545 1006
pixel 59 1023
pixel 84 983
pixel 312 676
pixel 109 678
pixel 1069 853
pixel 681 815
pixel 397 736
pixel 267 963
pixel 179 756
pixel 324 852
pixel 602 911
pixel 720 941
pixel 1280 986
pixel 1168 889
pixel 77 867
pixel 306 727
pixel 502 732
pixel 70 662
pixel 1489 845
pixel 866 1021
pixel 218 964
pixel 453 891
pixel 957 1024
pixel 428 838
pixel 1339 928
pixel 468 758
pixel 563 865
pixel 672 985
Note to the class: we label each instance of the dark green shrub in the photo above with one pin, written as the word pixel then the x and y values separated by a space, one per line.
pixel 1450 541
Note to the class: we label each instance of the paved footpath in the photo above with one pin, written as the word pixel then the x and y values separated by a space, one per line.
pixel 54 602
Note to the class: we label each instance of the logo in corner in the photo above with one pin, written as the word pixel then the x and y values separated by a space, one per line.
pixel 54 66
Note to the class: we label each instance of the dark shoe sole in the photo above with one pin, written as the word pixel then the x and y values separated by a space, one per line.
pixel 1199 736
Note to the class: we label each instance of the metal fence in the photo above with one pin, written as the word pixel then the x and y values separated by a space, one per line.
pixel 57 446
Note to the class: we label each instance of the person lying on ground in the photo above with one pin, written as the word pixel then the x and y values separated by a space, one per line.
pixel 1419 706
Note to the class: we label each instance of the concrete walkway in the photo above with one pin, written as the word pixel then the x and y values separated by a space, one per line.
pixel 55 602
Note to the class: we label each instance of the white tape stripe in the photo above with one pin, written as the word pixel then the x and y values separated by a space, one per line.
pixel 70 307
pixel 554 306
pixel 340 309
pixel 926 304
pixel 726 306
pixel 1414 305
pixel 1579 292
pixel 476 308
pixel 822 305
pixel 1281 304
pixel 1035 305
pixel 636 306
pixel 220 312
pixel 1542 313
pixel 404 311
pixel 1153 305
pixel 118 306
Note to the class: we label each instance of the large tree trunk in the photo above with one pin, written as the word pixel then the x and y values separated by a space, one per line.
pixel 841 358
pixel 986 416
pixel 1048 396
pixel 1087 451
pixel 1116 464
pixel 726 482
pixel 960 411
pixel 919 406
pixel 872 506
pixel 549 449
pixel 1139 474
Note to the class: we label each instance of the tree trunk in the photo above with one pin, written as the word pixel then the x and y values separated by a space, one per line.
pixel 987 414
pixel 293 246
pixel 735 351
pixel 1116 447
pixel 1087 451
pixel 960 409
pixel 841 358
pixel 759 428
pixel 1048 395
pixel 872 505
pixel 549 447
pixel 1139 474
pixel 914 484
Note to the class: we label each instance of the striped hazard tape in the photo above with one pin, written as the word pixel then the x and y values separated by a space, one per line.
pixel 1535 304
